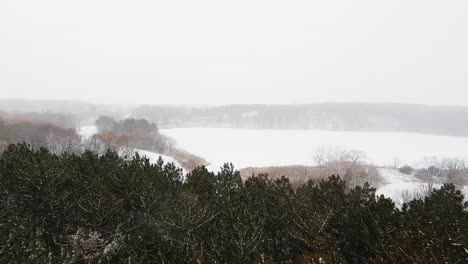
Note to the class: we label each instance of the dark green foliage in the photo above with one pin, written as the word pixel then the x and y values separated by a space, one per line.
pixel 126 126
pixel 104 209
pixel 47 199
pixel 435 230
pixel 406 170
pixel 105 123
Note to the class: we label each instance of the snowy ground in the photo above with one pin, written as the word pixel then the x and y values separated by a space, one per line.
pixel 391 176
pixel 399 187
pixel 153 157
pixel 262 148
pixel 402 188
pixel 87 131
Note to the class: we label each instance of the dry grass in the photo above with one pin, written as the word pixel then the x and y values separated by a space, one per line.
pixel 3 145
pixel 295 173
pixel 353 174
pixel 188 160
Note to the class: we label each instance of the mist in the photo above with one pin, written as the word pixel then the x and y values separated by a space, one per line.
pixel 241 52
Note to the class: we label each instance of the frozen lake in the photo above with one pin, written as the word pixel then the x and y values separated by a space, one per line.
pixel 255 148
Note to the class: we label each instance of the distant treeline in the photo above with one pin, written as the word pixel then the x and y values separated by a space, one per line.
pixel 53 118
pixel 438 120
pixel 38 134
pixel 105 209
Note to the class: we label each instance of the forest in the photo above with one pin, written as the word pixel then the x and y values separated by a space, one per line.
pixel 90 208
pixel 414 118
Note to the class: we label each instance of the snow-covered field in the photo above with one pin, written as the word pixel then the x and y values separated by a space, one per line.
pixel 261 148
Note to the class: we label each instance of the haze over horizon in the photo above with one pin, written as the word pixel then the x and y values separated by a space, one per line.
pixel 210 52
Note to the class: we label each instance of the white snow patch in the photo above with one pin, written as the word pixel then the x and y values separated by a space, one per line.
pixel 403 188
pixel 391 176
pixel 402 192
pixel 87 131
pixel 153 158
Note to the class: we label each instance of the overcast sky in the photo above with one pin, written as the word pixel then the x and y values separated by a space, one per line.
pixel 241 51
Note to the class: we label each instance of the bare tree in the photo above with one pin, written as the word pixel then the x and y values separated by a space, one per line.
pixel 61 142
pixel 126 151
pixel 320 157
pixel 453 168
pixel 396 162
pixel 171 144
pixel 96 144
pixel 347 163
pixel 432 172
pixel 304 174
pixel 405 196
pixel 324 155
pixel 356 156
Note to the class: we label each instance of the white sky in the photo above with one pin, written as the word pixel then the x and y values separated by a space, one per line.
pixel 241 51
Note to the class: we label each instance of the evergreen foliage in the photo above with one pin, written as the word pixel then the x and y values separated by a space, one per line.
pixel 408 170
pixel 104 209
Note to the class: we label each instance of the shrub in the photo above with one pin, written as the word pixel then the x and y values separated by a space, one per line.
pixel 91 208
pixel 408 170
